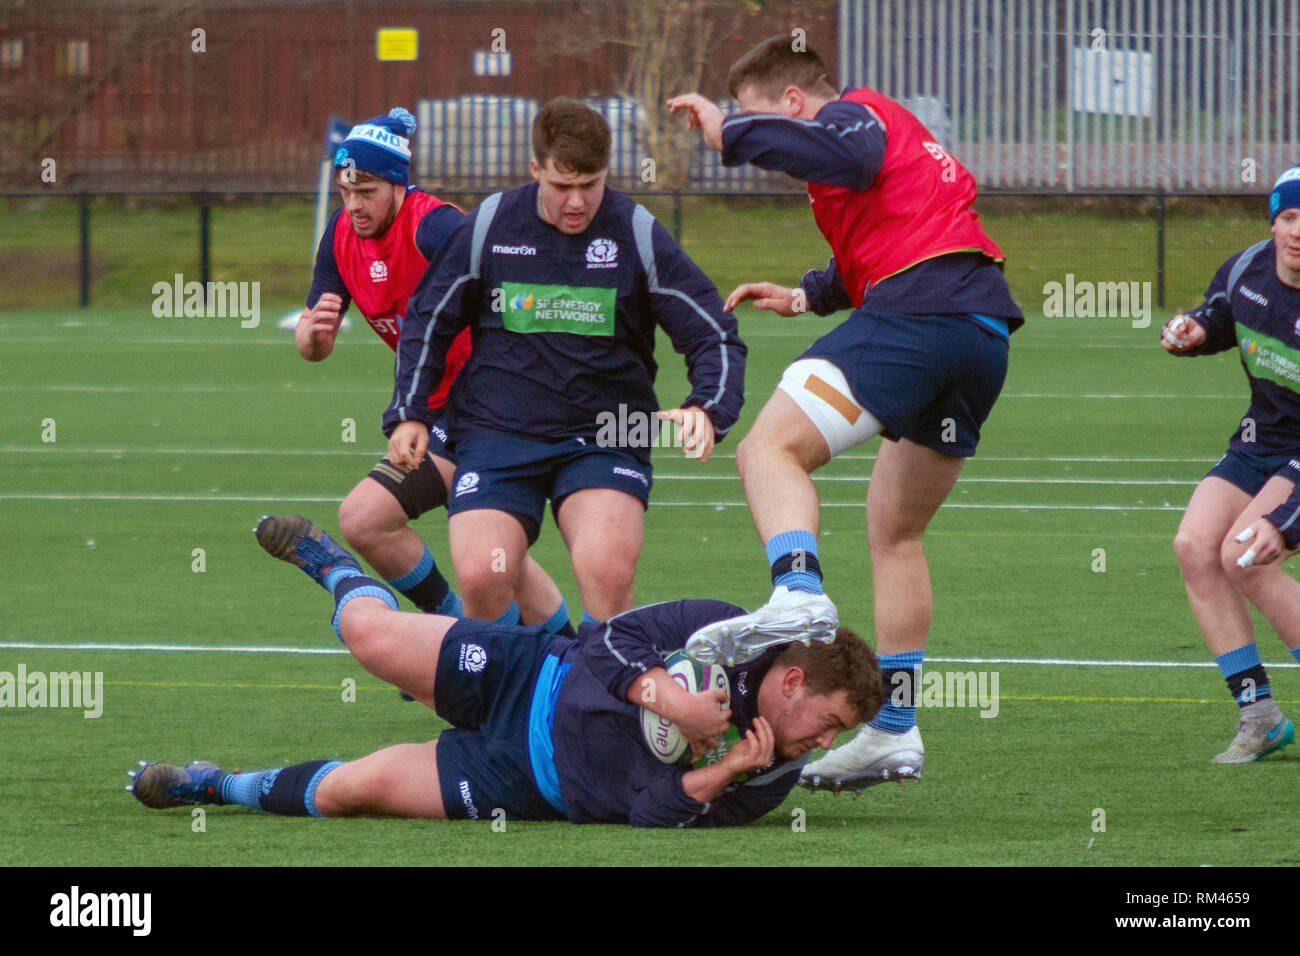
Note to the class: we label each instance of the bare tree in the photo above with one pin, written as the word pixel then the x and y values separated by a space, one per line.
pixel 668 44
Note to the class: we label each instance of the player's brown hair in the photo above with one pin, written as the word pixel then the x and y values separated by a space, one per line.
pixel 847 663
pixel 774 64
pixel 571 134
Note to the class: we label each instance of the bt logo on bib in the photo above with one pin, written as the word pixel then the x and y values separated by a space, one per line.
pixel 602 254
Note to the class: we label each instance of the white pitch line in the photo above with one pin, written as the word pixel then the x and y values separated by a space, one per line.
pixel 168 648
pixel 273 499
pixel 266 389
pixel 64 450
pixel 265 649
pixel 966 480
pixel 223 452
pixel 280 343
pixel 214 389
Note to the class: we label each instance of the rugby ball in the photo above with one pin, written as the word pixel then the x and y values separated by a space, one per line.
pixel 665 741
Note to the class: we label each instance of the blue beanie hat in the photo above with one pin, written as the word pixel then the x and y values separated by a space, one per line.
pixel 381 146
pixel 1285 194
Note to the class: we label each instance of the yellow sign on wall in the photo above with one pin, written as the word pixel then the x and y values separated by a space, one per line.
pixel 397 43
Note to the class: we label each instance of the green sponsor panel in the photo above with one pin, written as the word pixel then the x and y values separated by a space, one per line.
pixel 1268 358
pixel 580 310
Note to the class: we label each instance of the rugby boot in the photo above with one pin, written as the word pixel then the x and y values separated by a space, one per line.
pixel 872 757
pixel 299 541
pixel 788 616
pixel 162 785
pixel 1256 739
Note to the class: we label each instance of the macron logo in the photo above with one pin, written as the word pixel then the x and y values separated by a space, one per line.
pixel 1252 295
pixel 515 250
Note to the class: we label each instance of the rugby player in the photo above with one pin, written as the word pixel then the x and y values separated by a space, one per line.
pixel 1242 518
pixel 374 257
pixel 920 360
pixel 546 727
pixel 562 282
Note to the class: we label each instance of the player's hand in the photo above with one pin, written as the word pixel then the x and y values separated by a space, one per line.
pixel 1266 544
pixel 696 430
pixel 1182 334
pixel 754 752
pixel 703 714
pixel 318 326
pixel 768 295
pixel 406 447
pixel 702 114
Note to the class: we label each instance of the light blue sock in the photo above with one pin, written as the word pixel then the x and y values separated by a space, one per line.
pixel 365 587
pixel 898 715
pixel 510 618
pixel 557 620
pixel 797 548
pixel 1295 652
pixel 248 789
pixel 340 573
pixel 588 619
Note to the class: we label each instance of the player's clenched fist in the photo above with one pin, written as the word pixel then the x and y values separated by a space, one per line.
pixel 317 327
pixel 768 295
pixel 1182 334
pixel 407 445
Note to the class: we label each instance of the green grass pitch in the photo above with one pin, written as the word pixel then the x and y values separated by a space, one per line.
pixel 176 434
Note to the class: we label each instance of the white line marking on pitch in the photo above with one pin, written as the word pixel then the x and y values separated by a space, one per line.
pixel 288 386
pixel 967 480
pixel 268 649
pixel 964 505
pixel 168 648
pixel 60 450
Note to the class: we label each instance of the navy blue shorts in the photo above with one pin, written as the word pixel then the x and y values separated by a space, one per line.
pixel 484 689
pixel 931 379
pixel 517 475
pixel 1248 472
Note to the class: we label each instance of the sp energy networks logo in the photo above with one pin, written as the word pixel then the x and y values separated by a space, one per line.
pixel 578 310
pixel 1267 357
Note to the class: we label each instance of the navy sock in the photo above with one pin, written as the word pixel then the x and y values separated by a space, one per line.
pixel 1245 675
pixel 426 588
pixel 287 791
pixel 793 556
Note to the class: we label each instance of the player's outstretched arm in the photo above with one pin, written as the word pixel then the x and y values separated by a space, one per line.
pixel 768 296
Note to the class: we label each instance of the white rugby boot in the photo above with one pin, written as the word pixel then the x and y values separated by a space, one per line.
pixel 788 616
pixel 872 757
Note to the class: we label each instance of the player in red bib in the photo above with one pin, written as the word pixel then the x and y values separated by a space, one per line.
pixel 920 360
pixel 374 256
